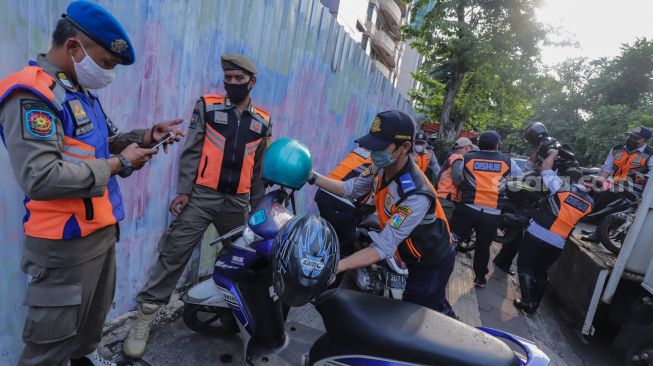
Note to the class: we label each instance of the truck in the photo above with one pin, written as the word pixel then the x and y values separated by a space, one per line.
pixel 604 292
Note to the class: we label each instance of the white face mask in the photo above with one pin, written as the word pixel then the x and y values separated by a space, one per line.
pixel 90 75
pixel 419 149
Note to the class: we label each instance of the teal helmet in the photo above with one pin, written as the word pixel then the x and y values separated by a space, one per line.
pixel 287 163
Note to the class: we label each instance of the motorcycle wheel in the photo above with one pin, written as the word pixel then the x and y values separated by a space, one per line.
pixel 209 320
pixel 467 244
pixel 611 240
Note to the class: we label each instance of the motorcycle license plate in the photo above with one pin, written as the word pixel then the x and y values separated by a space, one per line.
pixel 396 281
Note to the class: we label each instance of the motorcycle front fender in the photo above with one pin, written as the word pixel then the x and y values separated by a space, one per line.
pixel 205 293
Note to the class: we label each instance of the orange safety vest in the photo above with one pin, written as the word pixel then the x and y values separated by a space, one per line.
pixel 484 178
pixel 430 241
pixel 446 188
pixel 71 217
pixel 422 161
pixel 562 211
pixel 230 145
pixel 352 165
pixel 625 162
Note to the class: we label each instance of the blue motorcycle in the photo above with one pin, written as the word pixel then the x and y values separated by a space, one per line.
pixel 240 297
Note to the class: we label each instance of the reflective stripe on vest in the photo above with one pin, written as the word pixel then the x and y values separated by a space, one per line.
pixel 485 177
pixel 72 217
pixel 214 170
pixel 352 165
pixel 625 162
pixel 562 211
pixel 446 188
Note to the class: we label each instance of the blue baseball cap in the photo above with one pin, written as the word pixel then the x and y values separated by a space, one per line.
pixel 102 27
pixel 388 127
pixel 641 131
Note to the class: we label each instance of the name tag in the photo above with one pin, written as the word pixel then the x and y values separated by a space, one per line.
pixel 220 118
pixel 487 166
pixel 577 203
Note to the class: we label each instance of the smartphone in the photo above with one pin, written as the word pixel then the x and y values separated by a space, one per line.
pixel 166 138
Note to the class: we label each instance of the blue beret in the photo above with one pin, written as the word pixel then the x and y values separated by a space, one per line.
pixel 102 27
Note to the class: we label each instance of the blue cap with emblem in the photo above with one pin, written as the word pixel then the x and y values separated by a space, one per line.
pixel 102 27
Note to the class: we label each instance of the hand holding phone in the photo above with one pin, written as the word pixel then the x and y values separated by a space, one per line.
pixel 165 139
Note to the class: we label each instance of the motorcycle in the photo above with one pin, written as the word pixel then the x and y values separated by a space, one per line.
pixel 386 278
pixel 524 198
pixel 620 214
pixel 361 329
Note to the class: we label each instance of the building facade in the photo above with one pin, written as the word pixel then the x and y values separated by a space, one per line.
pixel 376 25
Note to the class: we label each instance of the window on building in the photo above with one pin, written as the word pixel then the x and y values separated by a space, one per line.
pixel 370 11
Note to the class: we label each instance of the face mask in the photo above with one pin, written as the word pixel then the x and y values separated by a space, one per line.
pixel 237 92
pixel 382 158
pixel 631 143
pixel 419 149
pixel 90 75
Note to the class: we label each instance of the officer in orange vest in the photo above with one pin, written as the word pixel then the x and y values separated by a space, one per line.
pixel 623 160
pixel 341 212
pixel 219 177
pixel 483 193
pixel 65 153
pixel 425 158
pixel 451 176
pixel 548 230
pixel 410 214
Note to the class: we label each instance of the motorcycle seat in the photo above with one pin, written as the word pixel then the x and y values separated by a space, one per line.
pixel 403 331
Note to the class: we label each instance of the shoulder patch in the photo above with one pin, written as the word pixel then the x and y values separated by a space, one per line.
pixel 38 121
pixel 256 126
pixel 400 216
pixel 367 172
pixel 407 183
pixel 195 119
pixel 363 153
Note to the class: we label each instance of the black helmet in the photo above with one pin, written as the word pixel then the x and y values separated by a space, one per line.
pixel 304 260
pixel 535 133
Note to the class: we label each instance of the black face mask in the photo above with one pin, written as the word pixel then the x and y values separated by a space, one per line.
pixel 237 92
pixel 631 144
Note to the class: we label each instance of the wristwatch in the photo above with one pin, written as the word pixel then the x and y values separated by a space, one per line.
pixel 312 179
pixel 127 167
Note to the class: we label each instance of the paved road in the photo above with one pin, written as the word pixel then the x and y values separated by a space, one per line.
pixel 173 344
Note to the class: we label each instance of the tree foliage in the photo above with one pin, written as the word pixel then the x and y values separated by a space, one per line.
pixel 480 61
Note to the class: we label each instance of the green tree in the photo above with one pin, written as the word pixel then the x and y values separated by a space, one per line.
pixel 480 58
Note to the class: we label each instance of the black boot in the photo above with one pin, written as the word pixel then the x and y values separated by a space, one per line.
pixel 591 237
pixel 540 289
pixel 527 288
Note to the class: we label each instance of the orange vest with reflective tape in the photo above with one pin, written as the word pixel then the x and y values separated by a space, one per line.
pixel 230 145
pixel 484 178
pixel 71 217
pixel 446 188
pixel 561 211
pixel 430 241
pixel 625 162
pixel 352 165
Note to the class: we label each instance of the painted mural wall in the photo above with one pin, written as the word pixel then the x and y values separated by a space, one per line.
pixel 313 79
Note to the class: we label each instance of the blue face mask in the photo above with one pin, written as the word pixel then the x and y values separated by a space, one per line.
pixel 382 158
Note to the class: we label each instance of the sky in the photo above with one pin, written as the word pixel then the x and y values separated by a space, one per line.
pixel 598 26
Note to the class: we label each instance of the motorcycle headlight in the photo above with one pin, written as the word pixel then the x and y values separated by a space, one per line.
pixel 249 236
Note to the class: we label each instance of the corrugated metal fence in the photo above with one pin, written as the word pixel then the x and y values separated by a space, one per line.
pixel 314 80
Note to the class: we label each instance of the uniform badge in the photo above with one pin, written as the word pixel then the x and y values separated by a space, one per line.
pixel 80 118
pixel 367 172
pixel 220 118
pixel 194 120
pixel 63 78
pixel 119 46
pixel 39 123
pixel 376 125
pixel 388 203
pixel 256 126
pixel 397 219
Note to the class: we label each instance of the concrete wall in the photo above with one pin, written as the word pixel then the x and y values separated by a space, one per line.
pixel 410 62
pixel 313 79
